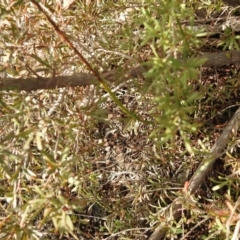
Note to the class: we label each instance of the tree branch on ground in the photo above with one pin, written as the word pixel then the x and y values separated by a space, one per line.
pixel 200 174
pixel 83 79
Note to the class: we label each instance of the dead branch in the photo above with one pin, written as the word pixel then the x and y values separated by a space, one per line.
pixel 30 84
pixel 219 59
pixel 200 174
pixel 208 29
pixel 82 79
pixel 216 152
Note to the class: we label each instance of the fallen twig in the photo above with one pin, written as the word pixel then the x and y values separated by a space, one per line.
pixel 200 174
pixel 82 79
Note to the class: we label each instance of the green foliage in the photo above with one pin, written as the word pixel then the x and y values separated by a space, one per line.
pixel 230 40
pixel 74 163
pixel 172 79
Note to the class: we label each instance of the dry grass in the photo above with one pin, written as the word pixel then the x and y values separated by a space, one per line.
pixel 73 166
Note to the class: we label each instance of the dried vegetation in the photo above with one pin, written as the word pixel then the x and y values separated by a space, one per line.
pixel 73 165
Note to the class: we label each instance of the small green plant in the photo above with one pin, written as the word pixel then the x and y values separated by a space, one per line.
pixel 172 74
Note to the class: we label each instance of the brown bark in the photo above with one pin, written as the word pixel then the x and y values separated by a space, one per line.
pixel 220 59
pixel 199 176
pixel 233 3
pixel 216 152
pixel 82 79
pixel 30 84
